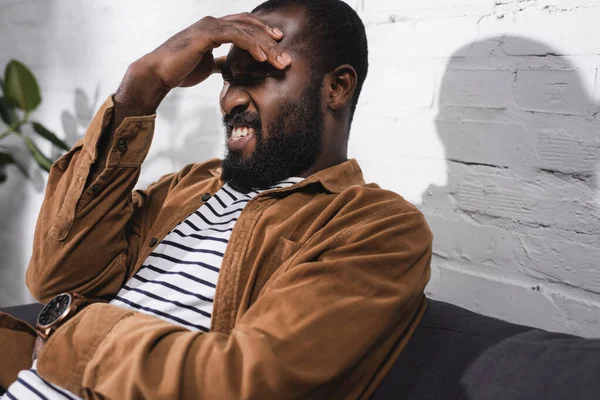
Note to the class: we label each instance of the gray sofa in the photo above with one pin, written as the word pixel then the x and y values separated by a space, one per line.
pixel 456 354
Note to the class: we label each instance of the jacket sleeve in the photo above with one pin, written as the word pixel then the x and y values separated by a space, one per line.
pixel 302 338
pixel 85 230
pixel 17 339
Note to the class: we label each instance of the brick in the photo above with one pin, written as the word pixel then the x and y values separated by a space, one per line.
pixel 414 39
pixel 477 88
pixel 520 146
pixel 568 153
pixel 559 260
pixel 552 307
pixel 394 5
pixel 511 299
pixel 463 242
pixel 497 144
pixel 389 85
pixel 409 177
pixel 546 201
pixel 554 91
pixel 550 27
pixel 505 199
pixel 405 133
pixel 582 315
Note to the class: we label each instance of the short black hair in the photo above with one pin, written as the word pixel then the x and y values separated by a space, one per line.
pixel 335 35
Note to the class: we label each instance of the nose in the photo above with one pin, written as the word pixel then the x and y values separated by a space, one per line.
pixel 233 96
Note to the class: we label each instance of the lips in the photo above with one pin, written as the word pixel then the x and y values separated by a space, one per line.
pixel 241 135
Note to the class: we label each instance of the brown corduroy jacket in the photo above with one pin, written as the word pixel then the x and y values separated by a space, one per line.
pixel 320 288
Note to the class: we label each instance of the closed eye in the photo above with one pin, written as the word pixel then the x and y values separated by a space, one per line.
pixel 245 80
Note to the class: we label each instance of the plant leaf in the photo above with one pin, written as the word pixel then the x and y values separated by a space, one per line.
pixel 48 135
pixel 44 162
pixel 20 86
pixel 6 158
pixel 7 112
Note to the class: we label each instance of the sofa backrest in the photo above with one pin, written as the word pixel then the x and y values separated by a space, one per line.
pixel 457 354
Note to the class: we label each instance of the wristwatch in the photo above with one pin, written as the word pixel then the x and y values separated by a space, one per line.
pixel 58 311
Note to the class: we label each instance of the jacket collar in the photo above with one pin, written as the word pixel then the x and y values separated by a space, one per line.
pixel 333 179
pixel 338 178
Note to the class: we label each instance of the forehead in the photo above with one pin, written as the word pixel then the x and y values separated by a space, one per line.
pixel 291 21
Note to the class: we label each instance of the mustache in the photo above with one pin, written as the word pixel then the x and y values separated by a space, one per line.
pixel 249 118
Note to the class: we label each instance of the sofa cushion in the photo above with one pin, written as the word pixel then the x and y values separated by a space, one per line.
pixel 27 313
pixel 536 365
pixel 458 354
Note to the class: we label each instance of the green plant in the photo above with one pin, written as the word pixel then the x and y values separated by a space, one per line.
pixel 21 96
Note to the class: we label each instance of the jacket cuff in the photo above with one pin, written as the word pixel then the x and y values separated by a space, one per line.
pixel 17 339
pixel 65 356
pixel 132 138
pixel 131 142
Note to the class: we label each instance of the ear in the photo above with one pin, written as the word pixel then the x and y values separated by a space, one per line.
pixel 340 85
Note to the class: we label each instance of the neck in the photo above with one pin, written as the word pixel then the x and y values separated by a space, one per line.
pixel 334 148
pixel 333 152
pixel 323 163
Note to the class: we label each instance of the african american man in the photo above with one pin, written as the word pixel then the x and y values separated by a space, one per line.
pixel 276 273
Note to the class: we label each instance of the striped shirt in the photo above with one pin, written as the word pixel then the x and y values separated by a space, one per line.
pixel 177 281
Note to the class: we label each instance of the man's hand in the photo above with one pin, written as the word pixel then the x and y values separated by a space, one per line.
pixel 37 348
pixel 186 59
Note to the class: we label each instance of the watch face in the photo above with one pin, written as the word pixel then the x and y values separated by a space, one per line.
pixel 54 310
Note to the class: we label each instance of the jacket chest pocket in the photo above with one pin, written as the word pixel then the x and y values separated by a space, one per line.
pixel 271 269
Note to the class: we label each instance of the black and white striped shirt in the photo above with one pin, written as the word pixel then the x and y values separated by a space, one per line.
pixel 177 281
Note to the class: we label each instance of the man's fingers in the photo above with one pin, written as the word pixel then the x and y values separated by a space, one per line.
pixel 252 19
pixel 263 39
pixel 252 39
pixel 219 61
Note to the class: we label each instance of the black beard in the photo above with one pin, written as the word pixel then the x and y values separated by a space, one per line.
pixel 293 145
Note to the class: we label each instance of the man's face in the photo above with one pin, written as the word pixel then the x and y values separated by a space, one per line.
pixel 273 119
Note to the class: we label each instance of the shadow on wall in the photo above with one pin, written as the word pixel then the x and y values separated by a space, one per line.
pixel 523 150
pixel 188 131
pixel 14 196
pixel 74 124
pixel 191 138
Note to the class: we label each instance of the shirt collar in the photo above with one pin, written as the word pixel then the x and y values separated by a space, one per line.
pixel 333 179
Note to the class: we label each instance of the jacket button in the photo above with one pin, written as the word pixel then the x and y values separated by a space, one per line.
pixel 96 189
pixel 205 197
pixel 122 145
pixel 153 242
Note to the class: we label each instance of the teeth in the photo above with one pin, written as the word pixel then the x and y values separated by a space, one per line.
pixel 240 131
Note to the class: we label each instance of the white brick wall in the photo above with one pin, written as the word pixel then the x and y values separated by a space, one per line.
pixel 482 112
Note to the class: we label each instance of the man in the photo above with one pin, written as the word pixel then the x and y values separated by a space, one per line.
pixel 275 274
